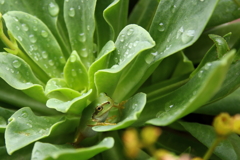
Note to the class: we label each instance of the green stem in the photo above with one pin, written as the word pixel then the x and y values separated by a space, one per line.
pixel 212 148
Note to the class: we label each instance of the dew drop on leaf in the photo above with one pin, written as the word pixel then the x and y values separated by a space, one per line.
pixel 71 12
pixel 53 9
pixel 24 114
pixel 159 114
pixel 32 38
pixel 122 38
pixel 62 60
pixel 200 73
pixel 82 37
pixel 79 7
pixel 18 28
pixel 35 28
pixel 73 58
pixel 19 38
pixel 174 8
pixel 29 125
pixel 2 2
pixel 74 73
pixel 161 27
pixel 84 52
pixel 50 62
pixel 187 36
pixel 44 54
pixel 179 32
pixel 130 31
pixel 16 63
pixel 44 33
pixel 24 27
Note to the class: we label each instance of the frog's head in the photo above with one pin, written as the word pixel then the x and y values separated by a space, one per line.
pixel 105 103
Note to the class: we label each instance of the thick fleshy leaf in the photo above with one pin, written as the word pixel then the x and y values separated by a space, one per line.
pixel 79 18
pixel 197 51
pixel 131 41
pixel 73 106
pixel 4 115
pixel 37 40
pixel 230 104
pixel 19 75
pixel 215 52
pixel 117 8
pixel 143 13
pixel 58 88
pixel 225 11
pixel 65 152
pixel 100 63
pixel 190 96
pixel 103 30
pixel 128 115
pixel 48 13
pixel 174 29
pixel 22 154
pixel 75 73
pixel 228 149
pixel 25 127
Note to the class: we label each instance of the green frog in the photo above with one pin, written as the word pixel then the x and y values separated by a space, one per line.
pixel 95 115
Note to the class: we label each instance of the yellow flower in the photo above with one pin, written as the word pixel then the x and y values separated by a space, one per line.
pixel 150 135
pixel 236 124
pixel 223 124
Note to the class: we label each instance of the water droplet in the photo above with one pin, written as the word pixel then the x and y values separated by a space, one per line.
pixel 74 73
pixel 122 38
pixel 24 27
pixel 44 54
pixel 33 47
pixel 84 52
pixel 44 33
pixel 71 12
pixel 79 7
pixel 10 120
pixel 130 31
pixel 73 58
pixel 174 8
pixel 188 35
pixel 32 38
pixel 53 9
pixel 161 27
pixel 18 28
pixel 135 43
pixel 50 62
pixel 66 0
pixel 179 32
pixel 171 106
pixel 24 114
pixel 114 66
pixel 82 37
pixel 7 68
pixel 88 27
pixel 19 38
pixel 202 0
pixel 12 70
pixel 207 65
pixel 29 125
pixel 15 19
pixel 200 73
pixel 35 28
pixel 16 63
pixel 150 57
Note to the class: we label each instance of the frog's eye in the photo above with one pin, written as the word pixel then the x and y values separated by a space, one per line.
pixel 99 108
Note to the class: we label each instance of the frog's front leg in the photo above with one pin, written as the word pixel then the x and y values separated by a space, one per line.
pixel 97 123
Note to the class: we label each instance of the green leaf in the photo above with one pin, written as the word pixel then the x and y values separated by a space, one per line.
pixel 48 13
pixel 130 113
pixel 37 40
pixel 143 13
pixel 190 96
pixel 131 41
pixel 75 73
pixel 103 30
pixel 65 152
pixel 100 63
pixel 22 154
pixel 58 88
pixel 221 44
pixel 178 24
pixel 228 149
pixel 225 11
pixel 4 115
pixel 25 127
pixel 118 8
pixel 230 104
pixel 73 106
pixel 19 75
pixel 79 18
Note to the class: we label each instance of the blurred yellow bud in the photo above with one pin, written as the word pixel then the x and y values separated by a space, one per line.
pixel 236 124
pixel 197 158
pixel 150 135
pixel 223 124
pixel 131 142
pixel 162 154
